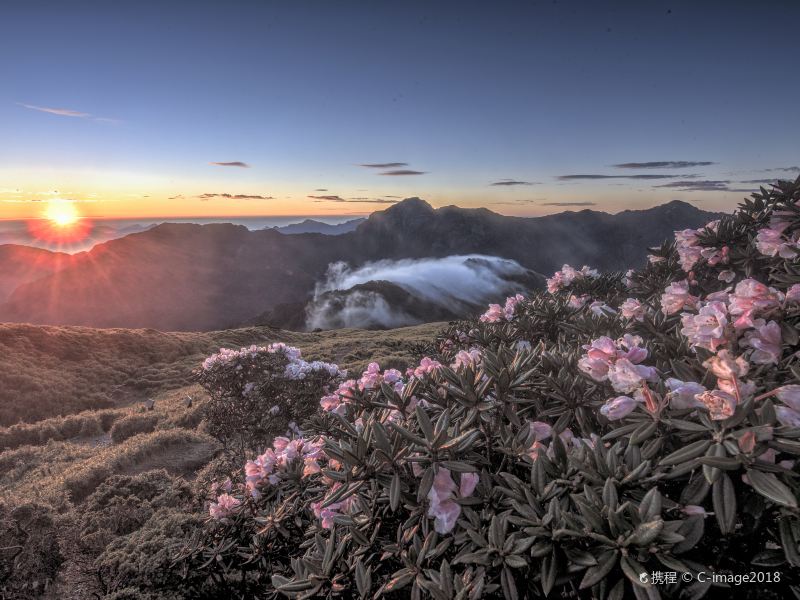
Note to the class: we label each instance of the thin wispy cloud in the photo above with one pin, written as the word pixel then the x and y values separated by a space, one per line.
pixel 67 112
pixel 235 196
pixel 665 164
pixel 703 185
pixel 569 204
pixel 773 180
pixel 597 176
pixel 517 202
pixel 332 198
pixel 790 169
pixel 401 172
pixel 233 163
pixel 512 182
pixel 389 165
pixel 321 190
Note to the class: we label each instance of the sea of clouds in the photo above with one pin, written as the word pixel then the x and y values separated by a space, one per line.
pixel 457 283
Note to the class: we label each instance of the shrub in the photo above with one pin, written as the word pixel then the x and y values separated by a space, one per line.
pixel 29 551
pixel 259 392
pixel 142 560
pixel 122 504
pixel 132 425
pixel 560 446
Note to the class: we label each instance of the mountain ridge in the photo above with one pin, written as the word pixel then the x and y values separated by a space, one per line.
pixel 181 276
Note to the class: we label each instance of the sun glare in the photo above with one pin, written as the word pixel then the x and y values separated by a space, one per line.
pixel 62 214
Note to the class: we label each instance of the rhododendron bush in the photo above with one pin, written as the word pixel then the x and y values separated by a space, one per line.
pixel 559 446
pixel 260 391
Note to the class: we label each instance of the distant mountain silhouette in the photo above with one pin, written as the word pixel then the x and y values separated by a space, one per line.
pixel 23 264
pixel 202 277
pixel 312 226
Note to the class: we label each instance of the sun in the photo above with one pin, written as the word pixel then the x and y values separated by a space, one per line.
pixel 62 213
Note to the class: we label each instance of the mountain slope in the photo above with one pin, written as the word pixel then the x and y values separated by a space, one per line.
pixel 202 277
pixel 23 264
pixel 312 226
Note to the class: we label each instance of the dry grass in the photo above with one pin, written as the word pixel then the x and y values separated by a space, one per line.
pixel 55 371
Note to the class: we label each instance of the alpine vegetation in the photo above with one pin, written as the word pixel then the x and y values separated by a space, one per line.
pixel 560 446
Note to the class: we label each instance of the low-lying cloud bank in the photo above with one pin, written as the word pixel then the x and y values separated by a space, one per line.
pixel 454 285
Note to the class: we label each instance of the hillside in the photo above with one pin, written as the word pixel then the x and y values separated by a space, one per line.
pixel 69 369
pixel 193 277
pixel 24 264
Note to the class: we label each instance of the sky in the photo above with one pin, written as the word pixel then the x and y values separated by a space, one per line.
pixel 183 109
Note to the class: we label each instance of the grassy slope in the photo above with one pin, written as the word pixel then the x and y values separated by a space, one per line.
pixel 60 459
pixel 50 371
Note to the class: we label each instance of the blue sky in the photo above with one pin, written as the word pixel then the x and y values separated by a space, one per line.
pixel 468 94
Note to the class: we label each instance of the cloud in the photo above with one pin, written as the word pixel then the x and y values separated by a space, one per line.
pixel 178 197
pixel 67 112
pixel 235 163
pixel 592 176
pixel 355 200
pixel 519 201
pixel 403 172
pixel 510 182
pixel 773 180
pixel 321 190
pixel 792 169
pixel 665 164
pixel 234 196
pixel 569 204
pixel 702 185
pixel 391 165
pixel 454 282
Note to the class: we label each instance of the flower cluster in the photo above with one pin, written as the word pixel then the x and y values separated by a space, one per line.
pixel 567 275
pixel 500 313
pixel 617 362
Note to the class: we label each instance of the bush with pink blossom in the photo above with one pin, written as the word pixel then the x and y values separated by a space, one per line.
pixel 549 448
pixel 261 391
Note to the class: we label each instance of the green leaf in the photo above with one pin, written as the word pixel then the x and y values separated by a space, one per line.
pixel 605 563
pixel 686 453
pixel 723 496
pixel 771 488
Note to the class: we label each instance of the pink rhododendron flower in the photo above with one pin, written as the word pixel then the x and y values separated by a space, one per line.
pixel 618 408
pixel 427 365
pixel 707 329
pixel 601 309
pixel 567 275
pixel 511 306
pixel 688 250
pixel 577 301
pixel 726 366
pixel 682 394
pixel 727 276
pixel 766 342
pixel 442 507
pixel 772 242
pixel 720 405
pixel 625 377
pixel 540 430
pixel 787 416
pixel 224 506
pixel 464 358
pixel 493 315
pixel 793 293
pixel 676 296
pixel 335 401
pixel 789 395
pixel 750 297
pixel 632 309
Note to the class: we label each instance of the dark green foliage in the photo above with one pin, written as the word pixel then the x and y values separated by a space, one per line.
pixel 580 513
pixel 29 551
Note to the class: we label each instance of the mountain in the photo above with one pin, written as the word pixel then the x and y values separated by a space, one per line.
pixel 312 226
pixel 30 233
pixel 23 264
pixel 202 277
